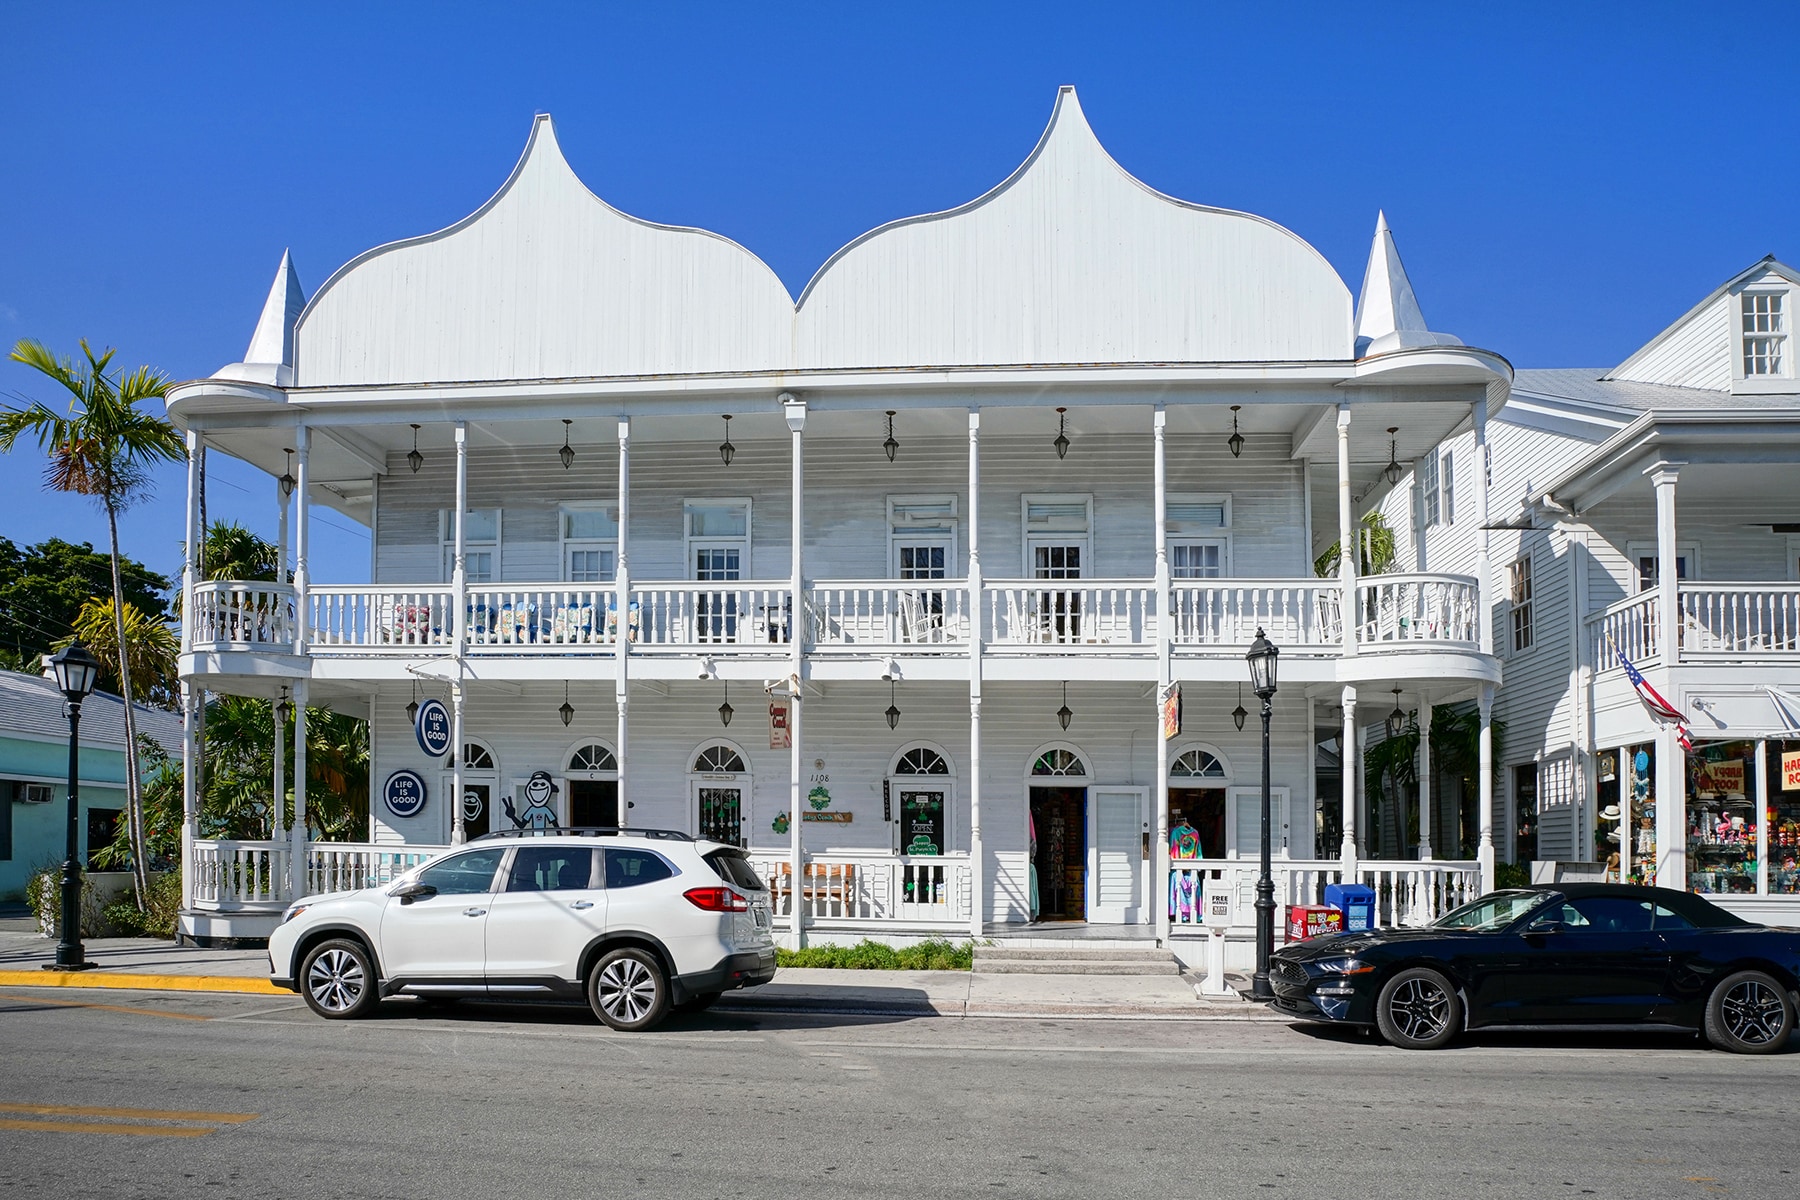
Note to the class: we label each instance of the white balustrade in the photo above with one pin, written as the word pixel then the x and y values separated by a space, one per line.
pixel 230 614
pixel 1069 612
pixel 1297 614
pixel 843 889
pixel 1406 893
pixel 1740 620
pixel 701 615
pixel 908 616
pixel 1416 893
pixel 1418 608
pixel 231 876
pixel 363 618
pixel 346 866
pixel 1627 626
pixel 523 618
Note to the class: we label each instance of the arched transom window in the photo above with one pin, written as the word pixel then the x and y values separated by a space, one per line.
pixel 593 757
pixel 1197 764
pixel 476 757
pixel 921 760
pixel 1058 762
pixel 718 760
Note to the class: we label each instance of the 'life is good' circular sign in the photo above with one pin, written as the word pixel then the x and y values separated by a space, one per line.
pixel 432 727
pixel 405 793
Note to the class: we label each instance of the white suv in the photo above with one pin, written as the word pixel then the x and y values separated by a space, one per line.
pixel 639 921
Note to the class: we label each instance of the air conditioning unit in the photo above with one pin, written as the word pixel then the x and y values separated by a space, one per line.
pixel 31 793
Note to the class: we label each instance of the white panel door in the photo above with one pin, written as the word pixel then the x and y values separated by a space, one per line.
pixel 1243 823
pixel 1116 855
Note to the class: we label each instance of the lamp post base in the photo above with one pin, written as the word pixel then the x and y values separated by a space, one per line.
pixel 74 966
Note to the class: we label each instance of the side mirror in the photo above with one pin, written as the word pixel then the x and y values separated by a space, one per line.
pixel 408 892
pixel 1539 928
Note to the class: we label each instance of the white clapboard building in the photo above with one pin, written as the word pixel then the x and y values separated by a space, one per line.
pixel 1650 516
pixel 887 582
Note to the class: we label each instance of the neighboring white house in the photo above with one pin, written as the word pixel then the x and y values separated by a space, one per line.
pixel 914 558
pixel 1662 494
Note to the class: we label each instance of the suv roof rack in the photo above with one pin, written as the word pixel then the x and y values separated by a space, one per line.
pixel 665 835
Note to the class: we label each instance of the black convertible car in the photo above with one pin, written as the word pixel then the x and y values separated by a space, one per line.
pixel 1584 955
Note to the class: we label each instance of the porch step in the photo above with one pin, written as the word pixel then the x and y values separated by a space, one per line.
pixel 1019 960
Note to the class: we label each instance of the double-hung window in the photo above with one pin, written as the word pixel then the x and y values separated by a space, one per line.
pixel 921 545
pixel 1056 547
pixel 590 542
pixel 1437 489
pixel 1518 594
pixel 481 543
pixel 1199 536
pixel 717 536
pixel 1764 331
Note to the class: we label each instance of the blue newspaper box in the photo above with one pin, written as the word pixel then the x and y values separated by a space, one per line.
pixel 1356 902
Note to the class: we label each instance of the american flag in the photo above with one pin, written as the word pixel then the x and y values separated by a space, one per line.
pixel 1660 709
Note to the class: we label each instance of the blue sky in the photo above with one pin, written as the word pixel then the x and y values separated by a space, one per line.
pixel 1564 179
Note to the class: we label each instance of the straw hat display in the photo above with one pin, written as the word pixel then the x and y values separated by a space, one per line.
pixel 1610 813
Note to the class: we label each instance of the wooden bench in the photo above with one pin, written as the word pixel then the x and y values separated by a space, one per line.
pixel 824 885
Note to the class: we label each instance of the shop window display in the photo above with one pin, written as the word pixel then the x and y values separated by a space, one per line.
pixel 1722 791
pixel 1782 815
pixel 1625 835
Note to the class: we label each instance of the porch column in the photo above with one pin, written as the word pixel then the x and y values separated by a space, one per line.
pixel 456 766
pixel 1424 777
pixel 302 537
pixel 282 505
pixel 279 819
pixel 190 546
pixel 622 638
pixel 1159 849
pixel 1484 570
pixel 1484 784
pixel 1670 866
pixel 459 572
pixel 302 692
pixel 794 409
pixel 191 766
pixel 1346 533
pixel 1369 841
pixel 1349 768
pixel 1668 596
pixel 978 902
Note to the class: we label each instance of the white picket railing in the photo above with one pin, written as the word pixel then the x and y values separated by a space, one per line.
pixel 701 615
pixel 1627 626
pixel 360 618
pixel 528 617
pixel 1297 614
pixel 849 888
pixel 1406 893
pixel 229 614
pixel 346 866
pixel 1066 612
pixel 910 616
pixel 1418 608
pixel 1739 620
pixel 230 876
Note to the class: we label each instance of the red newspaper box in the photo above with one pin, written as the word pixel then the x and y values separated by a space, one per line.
pixel 1312 920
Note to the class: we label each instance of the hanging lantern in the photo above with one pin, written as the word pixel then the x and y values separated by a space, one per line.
pixel 567 453
pixel 725 709
pixel 727 451
pixel 1065 714
pixel 412 709
pixel 287 478
pixel 893 710
pixel 1236 440
pixel 567 711
pixel 1393 470
pixel 1239 713
pixel 1062 436
pixel 415 460
pixel 1396 721
pixel 891 446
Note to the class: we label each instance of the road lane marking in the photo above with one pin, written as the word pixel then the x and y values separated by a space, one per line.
pixel 128 1130
pixel 124 1008
pixel 141 1114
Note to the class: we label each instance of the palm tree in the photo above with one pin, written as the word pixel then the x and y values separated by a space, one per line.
pixel 105 449
pixel 233 552
pixel 150 643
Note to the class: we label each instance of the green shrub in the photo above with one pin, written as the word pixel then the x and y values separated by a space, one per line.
pixel 937 954
pixel 1512 875
pixel 122 918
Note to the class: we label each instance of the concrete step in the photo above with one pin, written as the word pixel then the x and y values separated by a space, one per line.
pixel 1071 953
pixel 1083 966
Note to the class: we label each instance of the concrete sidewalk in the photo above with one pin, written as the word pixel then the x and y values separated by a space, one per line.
pixel 152 965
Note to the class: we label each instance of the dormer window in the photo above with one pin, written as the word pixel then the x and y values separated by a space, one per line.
pixel 1764 334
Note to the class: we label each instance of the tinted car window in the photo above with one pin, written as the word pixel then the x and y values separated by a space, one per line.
pixel 465 874
pixel 734 869
pixel 1608 914
pixel 632 868
pixel 1667 918
pixel 550 869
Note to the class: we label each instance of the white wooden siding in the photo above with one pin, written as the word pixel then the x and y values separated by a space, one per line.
pixel 1695 352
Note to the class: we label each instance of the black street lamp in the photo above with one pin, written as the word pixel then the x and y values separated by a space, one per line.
pixel 76 669
pixel 1262 658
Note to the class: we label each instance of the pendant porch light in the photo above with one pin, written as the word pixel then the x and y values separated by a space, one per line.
pixel 567 453
pixel 1235 441
pixel 1239 713
pixel 287 478
pixel 412 709
pixel 1065 714
pixel 891 446
pixel 893 710
pixel 727 451
pixel 415 460
pixel 567 711
pixel 725 709
pixel 1393 470
pixel 1062 440
pixel 1396 720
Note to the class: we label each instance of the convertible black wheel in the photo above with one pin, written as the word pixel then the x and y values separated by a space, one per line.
pixel 338 980
pixel 628 990
pixel 1749 1013
pixel 1418 1009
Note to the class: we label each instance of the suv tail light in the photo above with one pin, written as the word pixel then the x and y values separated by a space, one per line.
pixel 716 899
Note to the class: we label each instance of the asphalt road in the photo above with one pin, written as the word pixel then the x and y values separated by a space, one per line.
pixel 136 1095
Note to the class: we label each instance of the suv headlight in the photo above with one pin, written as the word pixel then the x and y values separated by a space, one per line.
pixel 293 911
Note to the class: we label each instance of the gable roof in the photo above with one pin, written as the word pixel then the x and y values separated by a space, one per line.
pixel 1696 349
pixel 33 706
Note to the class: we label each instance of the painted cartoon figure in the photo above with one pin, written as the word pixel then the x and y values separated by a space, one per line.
pixel 538 815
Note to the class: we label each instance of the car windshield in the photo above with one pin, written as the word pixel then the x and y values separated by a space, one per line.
pixel 1491 912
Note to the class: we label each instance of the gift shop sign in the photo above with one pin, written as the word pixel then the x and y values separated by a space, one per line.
pixel 781 734
pixel 1790 771
pixel 404 793
pixel 1726 778
pixel 432 728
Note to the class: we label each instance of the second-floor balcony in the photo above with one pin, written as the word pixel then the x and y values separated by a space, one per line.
pixel 1714 622
pixel 1037 617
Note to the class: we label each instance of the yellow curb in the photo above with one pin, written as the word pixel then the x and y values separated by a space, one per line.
pixel 148 983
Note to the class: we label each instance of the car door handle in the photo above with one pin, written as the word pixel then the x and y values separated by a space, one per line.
pixel 474 912
pixel 582 904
